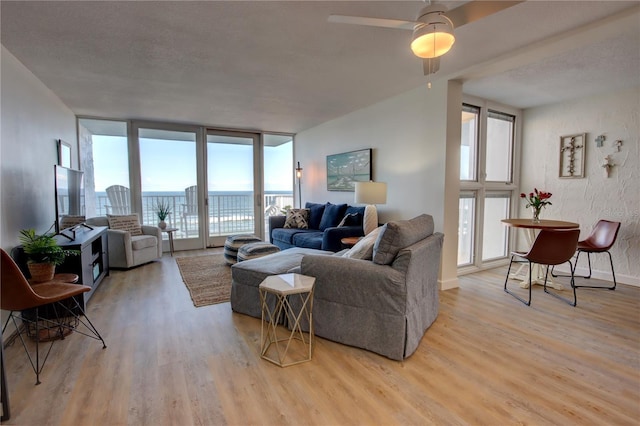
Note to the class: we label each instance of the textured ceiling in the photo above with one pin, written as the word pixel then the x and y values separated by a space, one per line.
pixel 280 66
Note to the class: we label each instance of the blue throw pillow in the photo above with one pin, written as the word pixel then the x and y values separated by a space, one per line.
pixel 315 214
pixel 351 219
pixel 358 218
pixel 333 214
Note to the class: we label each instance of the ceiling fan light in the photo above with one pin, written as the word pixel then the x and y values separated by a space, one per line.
pixel 433 40
pixel 433 37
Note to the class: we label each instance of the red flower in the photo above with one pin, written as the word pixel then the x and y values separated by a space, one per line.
pixel 537 199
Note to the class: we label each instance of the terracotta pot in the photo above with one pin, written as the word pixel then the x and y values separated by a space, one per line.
pixel 41 272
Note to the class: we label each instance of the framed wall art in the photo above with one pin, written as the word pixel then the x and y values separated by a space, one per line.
pixel 64 153
pixel 344 170
pixel 572 156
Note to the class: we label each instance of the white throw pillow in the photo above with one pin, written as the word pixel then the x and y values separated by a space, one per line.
pixel 128 223
pixel 364 248
pixel 370 220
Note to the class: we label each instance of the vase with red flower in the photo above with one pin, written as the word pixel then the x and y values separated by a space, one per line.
pixel 537 200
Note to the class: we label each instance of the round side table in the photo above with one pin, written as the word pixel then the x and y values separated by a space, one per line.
pixel 348 242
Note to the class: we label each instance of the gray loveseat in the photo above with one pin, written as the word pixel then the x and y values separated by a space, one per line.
pixel 384 305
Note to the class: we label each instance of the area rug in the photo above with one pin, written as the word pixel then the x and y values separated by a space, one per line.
pixel 208 278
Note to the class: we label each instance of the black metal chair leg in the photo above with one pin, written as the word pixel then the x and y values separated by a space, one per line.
pixel 577 258
pixel 38 348
pixel 613 274
pixel 37 367
pixel 89 325
pixel 49 324
pixel 526 302
pixel 588 261
pixel 573 287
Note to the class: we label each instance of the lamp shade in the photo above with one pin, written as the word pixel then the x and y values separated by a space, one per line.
pixel 435 37
pixel 371 193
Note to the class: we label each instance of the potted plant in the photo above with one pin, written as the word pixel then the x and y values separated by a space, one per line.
pixel 43 254
pixel 163 210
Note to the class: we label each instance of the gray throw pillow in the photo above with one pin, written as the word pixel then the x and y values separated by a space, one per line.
pixel 395 236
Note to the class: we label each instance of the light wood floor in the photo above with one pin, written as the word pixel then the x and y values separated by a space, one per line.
pixel 487 360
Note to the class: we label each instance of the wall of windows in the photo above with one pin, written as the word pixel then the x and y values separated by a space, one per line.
pixel 216 183
pixel 488 188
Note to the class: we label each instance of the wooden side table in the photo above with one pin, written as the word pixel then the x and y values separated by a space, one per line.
pixel 64 278
pixel 348 242
pixel 170 232
pixel 294 346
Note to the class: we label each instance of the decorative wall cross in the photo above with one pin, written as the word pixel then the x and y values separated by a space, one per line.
pixel 571 147
pixel 600 140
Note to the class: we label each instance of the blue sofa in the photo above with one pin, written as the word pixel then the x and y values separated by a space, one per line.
pixel 323 232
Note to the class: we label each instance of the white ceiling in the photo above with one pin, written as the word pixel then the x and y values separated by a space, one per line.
pixel 280 66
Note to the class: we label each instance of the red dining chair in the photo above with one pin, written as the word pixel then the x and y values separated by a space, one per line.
pixel 26 303
pixel 602 237
pixel 551 247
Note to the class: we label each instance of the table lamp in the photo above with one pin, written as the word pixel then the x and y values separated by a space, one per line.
pixel 370 193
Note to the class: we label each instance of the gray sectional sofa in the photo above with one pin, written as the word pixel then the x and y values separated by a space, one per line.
pixel 383 304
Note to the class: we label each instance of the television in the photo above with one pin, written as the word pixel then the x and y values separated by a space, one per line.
pixel 70 205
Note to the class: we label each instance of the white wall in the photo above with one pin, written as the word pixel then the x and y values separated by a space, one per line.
pixel 408 134
pixel 33 118
pixel 617 198
pixel 408 153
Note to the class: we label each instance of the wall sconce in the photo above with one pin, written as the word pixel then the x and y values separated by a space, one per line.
pixel 299 177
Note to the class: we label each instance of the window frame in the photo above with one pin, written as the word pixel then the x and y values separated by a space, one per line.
pixel 481 186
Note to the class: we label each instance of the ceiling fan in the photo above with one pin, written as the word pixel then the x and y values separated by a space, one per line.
pixel 433 28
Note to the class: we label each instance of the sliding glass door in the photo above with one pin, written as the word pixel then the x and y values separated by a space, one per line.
pixel 233 194
pixel 169 177
pixel 215 183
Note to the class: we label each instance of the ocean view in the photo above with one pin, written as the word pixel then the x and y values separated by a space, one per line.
pixel 227 210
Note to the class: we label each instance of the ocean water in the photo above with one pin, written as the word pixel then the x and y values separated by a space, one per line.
pixel 225 205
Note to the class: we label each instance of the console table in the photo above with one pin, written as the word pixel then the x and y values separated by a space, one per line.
pixel 92 265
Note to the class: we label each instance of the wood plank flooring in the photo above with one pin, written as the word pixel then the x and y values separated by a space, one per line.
pixel 487 360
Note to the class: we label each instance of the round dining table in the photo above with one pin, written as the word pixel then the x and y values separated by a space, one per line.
pixel 531 226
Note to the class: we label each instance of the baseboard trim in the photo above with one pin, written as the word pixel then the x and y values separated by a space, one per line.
pixel 449 284
pixel 603 275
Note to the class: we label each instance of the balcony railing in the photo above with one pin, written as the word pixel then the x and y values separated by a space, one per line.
pixel 228 213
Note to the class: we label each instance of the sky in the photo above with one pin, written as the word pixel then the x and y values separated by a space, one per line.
pixel 170 165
